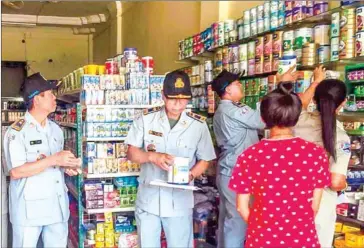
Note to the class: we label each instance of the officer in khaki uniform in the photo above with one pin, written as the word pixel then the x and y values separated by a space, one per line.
pixel 33 146
pixel 309 128
pixel 154 139
pixel 236 128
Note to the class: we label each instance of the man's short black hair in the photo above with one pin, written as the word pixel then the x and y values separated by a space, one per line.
pixel 281 107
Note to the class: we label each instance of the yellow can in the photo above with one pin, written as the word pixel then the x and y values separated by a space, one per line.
pixel 101 69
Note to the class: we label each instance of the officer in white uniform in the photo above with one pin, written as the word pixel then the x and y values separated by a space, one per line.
pixel 236 128
pixel 154 139
pixel 33 146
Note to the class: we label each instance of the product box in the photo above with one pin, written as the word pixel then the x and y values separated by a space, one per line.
pixel 95 194
pixel 353 210
pixel 94 204
pixel 355 239
pixel 350 229
pixel 361 210
pixel 342 209
pixel 339 243
pixel 338 227
pixel 112 199
pixel 100 229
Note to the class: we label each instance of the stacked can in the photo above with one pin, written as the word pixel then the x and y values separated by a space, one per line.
pixel 322 38
pixel 253 21
pixel 274 14
pixel 359 32
pixel 240 27
pixel 259 55
pixel 207 39
pixel 266 16
pixel 251 58
pixel 215 34
pixel 268 53
pixel 335 33
pixel 181 49
pixel 243 59
pixel 231 33
pixel 299 10
pixel 233 58
pixel 211 100
pixel 218 62
pixel 260 19
pixel 225 57
pixel 347 34
pixel 309 9
pixel 246 24
pixel 320 7
pixel 288 12
pixel 221 30
pixel 301 36
pixel 309 52
pixel 188 47
pixel 288 41
pixel 281 13
pixel 148 64
pixel 277 49
pixel 208 71
pixel 198 46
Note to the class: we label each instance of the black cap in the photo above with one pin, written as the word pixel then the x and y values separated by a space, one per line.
pixel 36 84
pixel 223 80
pixel 177 85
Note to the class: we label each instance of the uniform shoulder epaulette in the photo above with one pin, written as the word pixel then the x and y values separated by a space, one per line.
pixel 151 110
pixel 18 125
pixel 239 104
pixel 197 117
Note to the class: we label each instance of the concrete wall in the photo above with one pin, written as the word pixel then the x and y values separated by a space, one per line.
pixel 38 45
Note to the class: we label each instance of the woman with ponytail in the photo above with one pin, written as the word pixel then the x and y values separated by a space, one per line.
pixel 322 128
pixel 284 174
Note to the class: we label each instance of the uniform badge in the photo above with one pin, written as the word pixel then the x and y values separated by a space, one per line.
pixel 18 125
pixel 179 83
pixel 41 156
pixel 35 142
pixel 151 148
pixel 151 110
pixel 197 117
pixel 155 133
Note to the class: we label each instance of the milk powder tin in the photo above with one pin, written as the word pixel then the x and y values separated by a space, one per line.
pixel 178 173
pixel 253 14
pixel 253 28
pixel 229 25
pixel 288 39
pixel 268 44
pixel 322 34
pixel 347 49
pixel 233 53
pixel 260 28
pixel 288 17
pixel 320 7
pixel 246 30
pixel 259 47
pixel 303 81
pixel 247 17
pixel 240 28
pixel 285 63
pixel 335 25
pixel 259 65
pixel 299 13
pixel 235 68
pixel 324 54
pixel 208 65
pixel 251 67
pixel 274 6
pixel 268 64
pixel 251 50
pixel 243 67
pixel 266 24
pixel 288 5
pixel 275 65
pixel 260 14
pixel 278 43
pixel 221 28
pixel 225 55
pixel 266 9
pixel 360 19
pixel 274 20
pixel 243 52
pixel 334 56
pixel 359 48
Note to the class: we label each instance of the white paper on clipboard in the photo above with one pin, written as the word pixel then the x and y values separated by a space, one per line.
pixel 175 186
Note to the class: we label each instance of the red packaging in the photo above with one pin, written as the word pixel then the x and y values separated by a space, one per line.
pixel 111 67
pixel 267 65
pixel 148 62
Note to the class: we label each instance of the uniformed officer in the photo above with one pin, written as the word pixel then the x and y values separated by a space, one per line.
pixel 33 148
pixel 236 128
pixel 154 139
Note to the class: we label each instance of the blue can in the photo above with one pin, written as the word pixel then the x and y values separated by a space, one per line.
pixel 208 33
pixel 348 2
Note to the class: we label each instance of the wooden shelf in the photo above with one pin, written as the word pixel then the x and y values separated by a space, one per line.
pixel 112 175
pixel 350 220
pixel 112 210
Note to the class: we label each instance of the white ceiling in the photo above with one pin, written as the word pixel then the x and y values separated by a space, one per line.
pixel 61 8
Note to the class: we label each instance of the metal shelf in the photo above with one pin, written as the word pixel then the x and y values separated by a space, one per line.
pixel 72 189
pixel 70 96
pixel 121 106
pixel 112 175
pixel 85 139
pixel 355 132
pixel 351 116
pixel 350 220
pixel 112 210
pixel 65 124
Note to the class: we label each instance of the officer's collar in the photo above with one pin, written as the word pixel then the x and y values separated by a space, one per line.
pixel 226 101
pixel 32 121
pixel 183 121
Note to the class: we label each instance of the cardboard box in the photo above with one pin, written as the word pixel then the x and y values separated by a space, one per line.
pixel 339 243
pixel 99 237
pixel 355 239
pixel 342 209
pixel 338 227
pixel 350 229
pixel 100 229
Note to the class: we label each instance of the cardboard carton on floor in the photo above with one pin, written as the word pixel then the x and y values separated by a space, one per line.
pixel 355 239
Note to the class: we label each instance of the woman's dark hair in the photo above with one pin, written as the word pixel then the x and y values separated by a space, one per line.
pixel 281 107
pixel 329 95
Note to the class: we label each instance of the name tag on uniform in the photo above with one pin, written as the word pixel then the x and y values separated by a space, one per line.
pixel 155 133
pixel 35 142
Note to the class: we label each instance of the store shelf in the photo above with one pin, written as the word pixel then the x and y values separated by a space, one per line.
pixel 104 139
pixel 112 210
pixel 14 110
pixel 351 117
pixel 355 132
pixel 350 220
pixel 72 189
pixel 355 81
pixel 112 175
pixel 121 106
pixel 7 123
pixel 70 96
pixel 65 124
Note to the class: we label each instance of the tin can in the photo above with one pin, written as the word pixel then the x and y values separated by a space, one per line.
pixel 272 83
pixel 259 63
pixel 322 34
pixel 308 61
pixel 243 52
pixel 229 26
pixel 320 7
pixel 285 63
pixel 302 36
pixel 251 67
pixel 209 76
pixel 274 6
pixel 288 40
pixel 208 65
pixel 243 67
pixel 335 24
pixel 268 44
pixel 130 53
pixel 347 17
pixel 324 54
pixel 260 28
pixel 225 55
pixel 299 13
pixel 267 64
pixel 260 12
pixel 359 48
pixel 259 47
pixel 348 33
pixel 274 20
pixel 221 40
pixel 288 17
pixel 178 173
pixel 253 14
pixel 309 11
pixel 226 38
pixel 266 9
pixel 221 28
pixel 236 68
pixel 233 36
pixel 288 5
pixel 278 43
pixel 246 31
pixel 360 19
pixel 240 28
pixel 303 81
pixel 111 67
pixel 282 18
pixel 251 50
pixel 247 17
pixel 233 53
pixel 266 24
pixel 334 56
pixel 275 65
pixel 253 28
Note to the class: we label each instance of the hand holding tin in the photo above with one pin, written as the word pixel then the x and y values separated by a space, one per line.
pixel 319 74
pixel 161 160
pixel 288 76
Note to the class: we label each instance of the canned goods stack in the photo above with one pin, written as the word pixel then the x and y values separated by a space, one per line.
pixel 281 13
pixel 288 12
pixel 197 46
pixel 309 52
pixel 253 21
pixel 259 54
pixel 230 31
pixel 208 70
pixel 301 36
pixel 359 31
pixel 199 98
pixel 187 47
pixel 218 57
pixel 266 16
pixel 268 53
pixel 246 27
pixel 251 58
pixel 260 19
pixel 254 89
pixel 277 49
pixel 347 33
pixel 288 40
pixel 335 36
pixel 148 64
pixel 225 58
pixel 322 38
pixel 320 7
pixel 240 28
pixel 217 30
pixel 274 14
pixel 233 58
pixel 196 75
pixel 243 59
